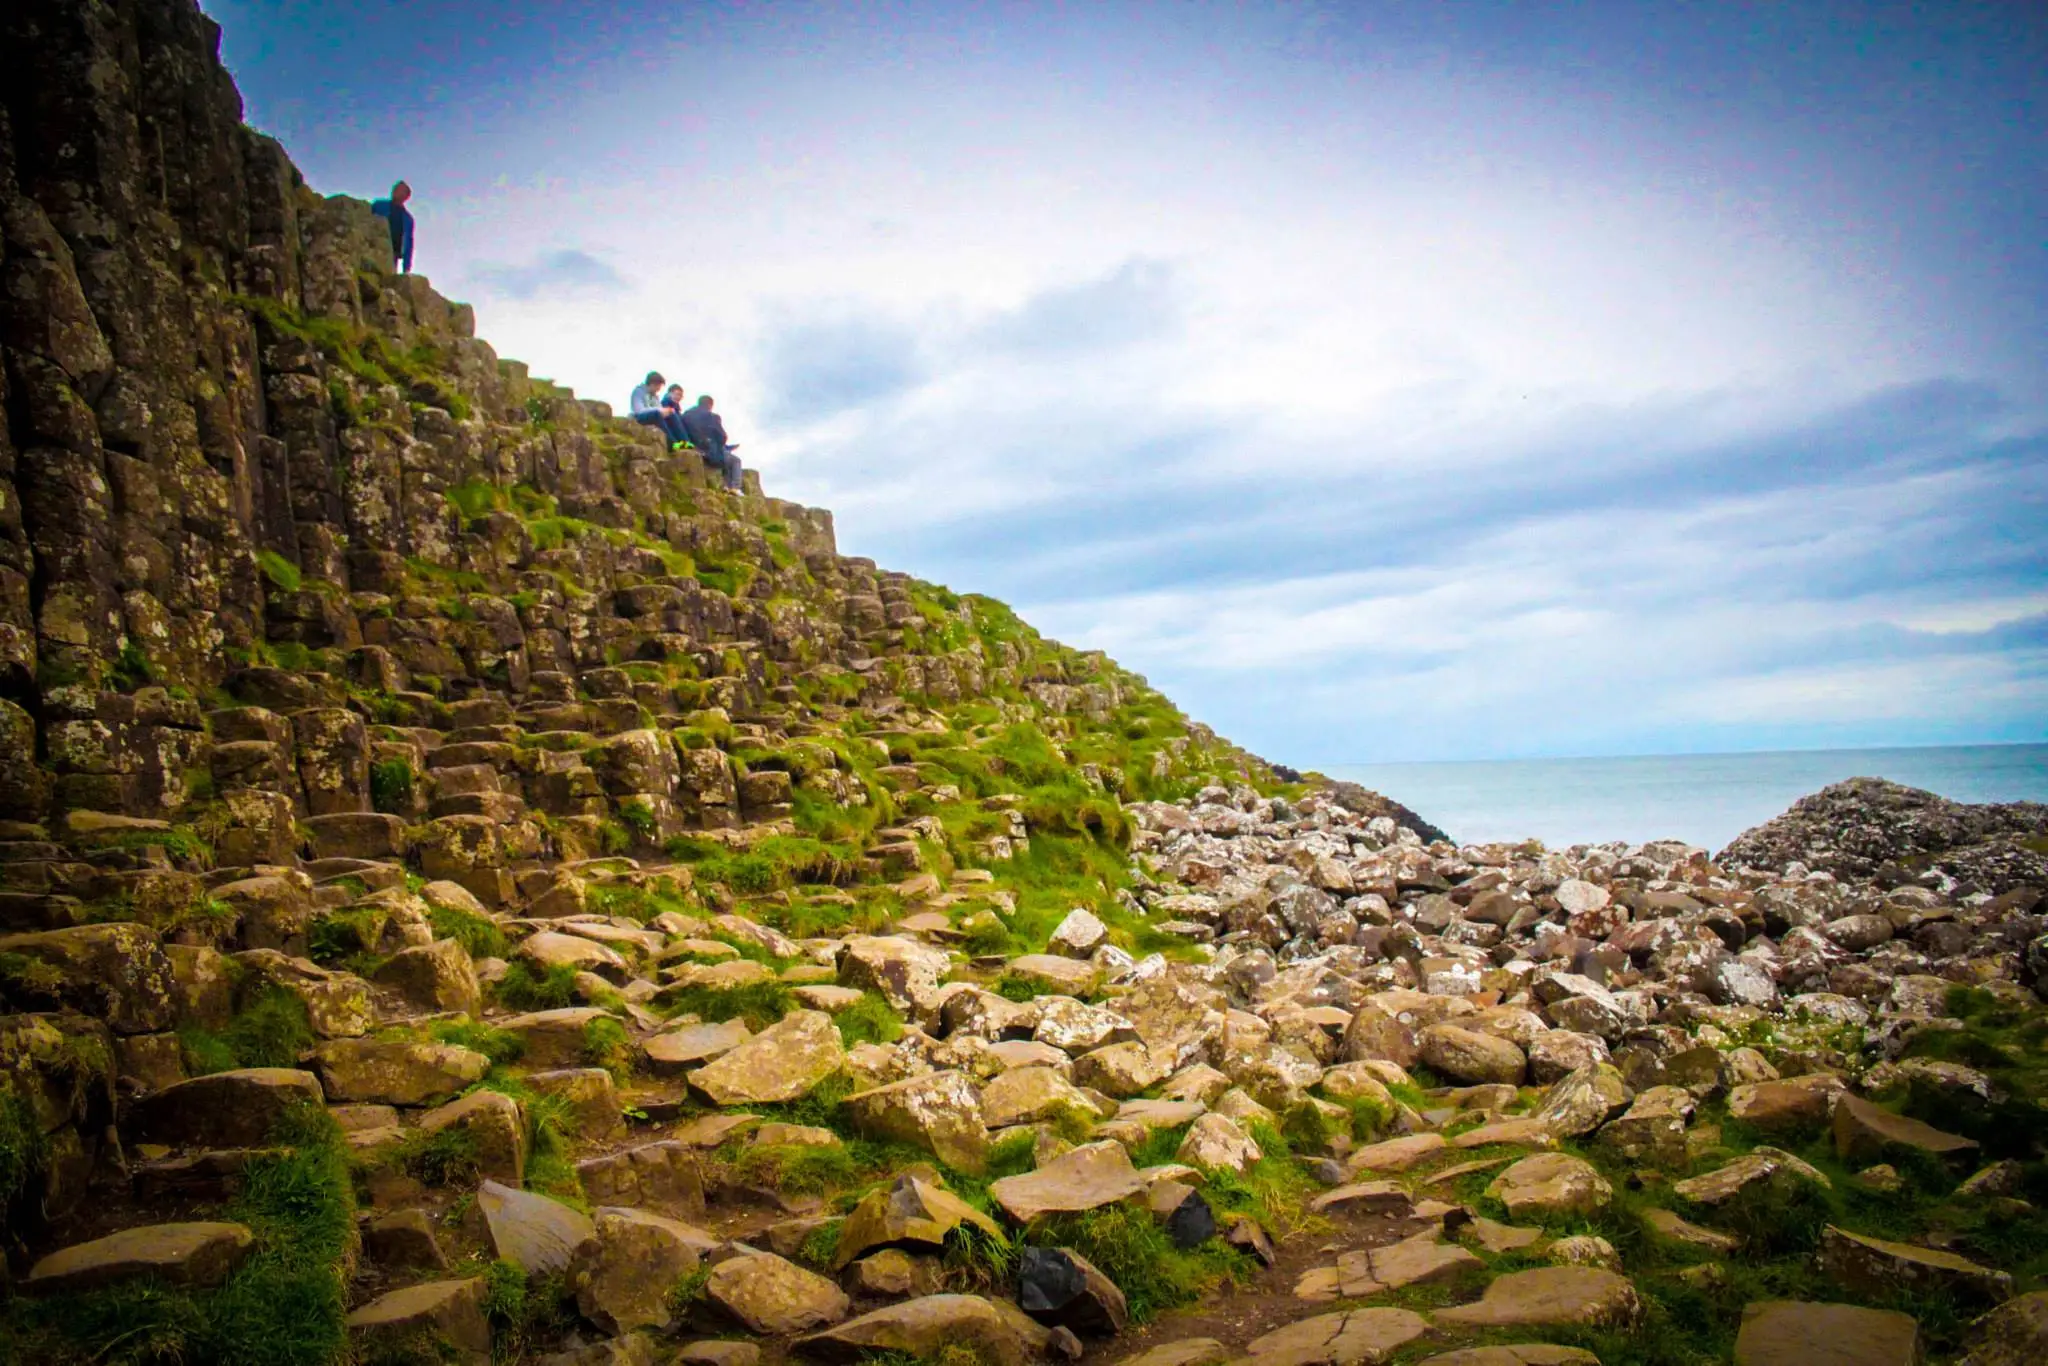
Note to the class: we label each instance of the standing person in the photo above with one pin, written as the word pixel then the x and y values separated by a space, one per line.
pixel 707 433
pixel 393 211
pixel 650 410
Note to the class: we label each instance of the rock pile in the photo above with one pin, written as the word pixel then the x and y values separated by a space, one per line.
pixel 470 891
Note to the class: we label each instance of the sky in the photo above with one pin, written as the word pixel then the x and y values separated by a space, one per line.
pixel 1385 382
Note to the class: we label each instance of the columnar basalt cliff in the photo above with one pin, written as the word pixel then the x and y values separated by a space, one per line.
pixel 471 890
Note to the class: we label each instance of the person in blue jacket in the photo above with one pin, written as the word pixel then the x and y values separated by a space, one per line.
pixel 393 211
pixel 707 433
pixel 650 409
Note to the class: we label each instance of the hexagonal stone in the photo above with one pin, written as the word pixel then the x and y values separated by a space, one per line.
pixel 1357 1337
pixel 234 1109
pixel 446 1313
pixel 197 1254
pixel 1549 1296
pixel 1794 1333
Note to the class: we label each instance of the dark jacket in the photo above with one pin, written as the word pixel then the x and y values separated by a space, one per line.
pixel 707 432
pixel 401 231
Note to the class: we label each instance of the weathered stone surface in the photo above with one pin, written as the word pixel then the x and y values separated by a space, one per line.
pixel 2013 1334
pixel 446 1312
pixel 1584 1101
pixel 622 1274
pixel 537 1234
pixel 1794 1333
pixel 663 1176
pixel 768 1294
pixel 1548 1185
pixel 783 1062
pixel 1357 1337
pixel 903 970
pixel 677 1050
pixel 1760 1164
pixel 199 1254
pixel 402 1238
pixel 435 977
pixel 920 1328
pixel 911 1212
pixel 1471 1057
pixel 496 1129
pixel 1089 1177
pixel 225 1110
pixel 398 1072
pixel 118 973
pixel 1394 1154
pixel 939 1111
pixel 1062 1289
pixel 1863 1133
pixel 1217 1143
pixel 1785 1106
pixel 1514 1354
pixel 1550 1296
pixel 1879 1267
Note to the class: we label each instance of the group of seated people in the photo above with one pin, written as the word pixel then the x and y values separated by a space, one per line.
pixel 697 426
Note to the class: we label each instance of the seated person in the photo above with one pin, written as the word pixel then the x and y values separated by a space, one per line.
pixel 706 431
pixel 649 411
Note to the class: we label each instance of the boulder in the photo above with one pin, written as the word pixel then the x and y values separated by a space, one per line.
pixel 910 1213
pixel 938 1111
pixel 1584 1101
pixel 1119 1069
pixel 437 977
pixel 1356 1337
pixel 1468 1056
pixel 677 1050
pixel 118 973
pixel 1550 1296
pixel 397 1072
pixel 2014 1334
pixel 448 1314
pixel 495 1126
pixel 1029 1095
pixel 1078 935
pixel 622 1273
pixel 537 1234
pixel 1864 1132
pixel 1548 1185
pixel 224 1110
pixel 1217 1143
pixel 199 1254
pixel 1794 1333
pixel 1876 1266
pixel 1062 1289
pixel 1088 1177
pixel 664 1176
pixel 555 1038
pixel 768 1294
pixel 547 950
pixel 919 1329
pixel 1760 1164
pixel 905 971
pixel 784 1062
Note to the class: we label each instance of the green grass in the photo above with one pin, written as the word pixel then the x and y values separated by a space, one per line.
pixel 871 1019
pixel 797 1168
pixel 501 1046
pixel 283 1305
pixel 1134 1250
pixel 522 988
pixel 282 573
pixel 606 1045
pixel 760 1004
pixel 391 786
pixel 479 935
pixel 271 1030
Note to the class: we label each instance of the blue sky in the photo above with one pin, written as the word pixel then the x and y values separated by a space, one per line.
pixel 1385 381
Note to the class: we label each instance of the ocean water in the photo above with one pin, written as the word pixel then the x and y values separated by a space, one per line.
pixel 1703 799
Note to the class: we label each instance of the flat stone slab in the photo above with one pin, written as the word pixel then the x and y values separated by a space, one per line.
pixel 224 1110
pixel 769 1294
pixel 677 1049
pixel 1089 1177
pixel 448 1311
pixel 1796 1333
pixel 1864 1131
pixel 920 1328
pixel 1393 1155
pixel 1879 1267
pixel 1548 1297
pixel 1357 1337
pixel 784 1062
pixel 1514 1354
pixel 198 1254
pixel 1186 1352
pixel 532 1231
pixel 1369 1197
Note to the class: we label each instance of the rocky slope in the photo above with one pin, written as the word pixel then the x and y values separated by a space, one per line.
pixel 470 891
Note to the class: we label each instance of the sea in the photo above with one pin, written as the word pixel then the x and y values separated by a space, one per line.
pixel 1703 799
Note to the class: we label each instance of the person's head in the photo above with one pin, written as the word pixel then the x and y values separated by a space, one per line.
pixel 654 379
pixel 675 391
pixel 704 402
pixel 401 192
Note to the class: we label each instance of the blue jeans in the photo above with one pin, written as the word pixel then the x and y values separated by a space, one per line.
pixel 668 419
pixel 726 463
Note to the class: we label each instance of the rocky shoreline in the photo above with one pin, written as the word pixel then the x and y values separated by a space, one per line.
pixel 470 891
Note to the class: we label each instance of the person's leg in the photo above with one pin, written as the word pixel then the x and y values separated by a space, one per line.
pixel 731 469
pixel 677 435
